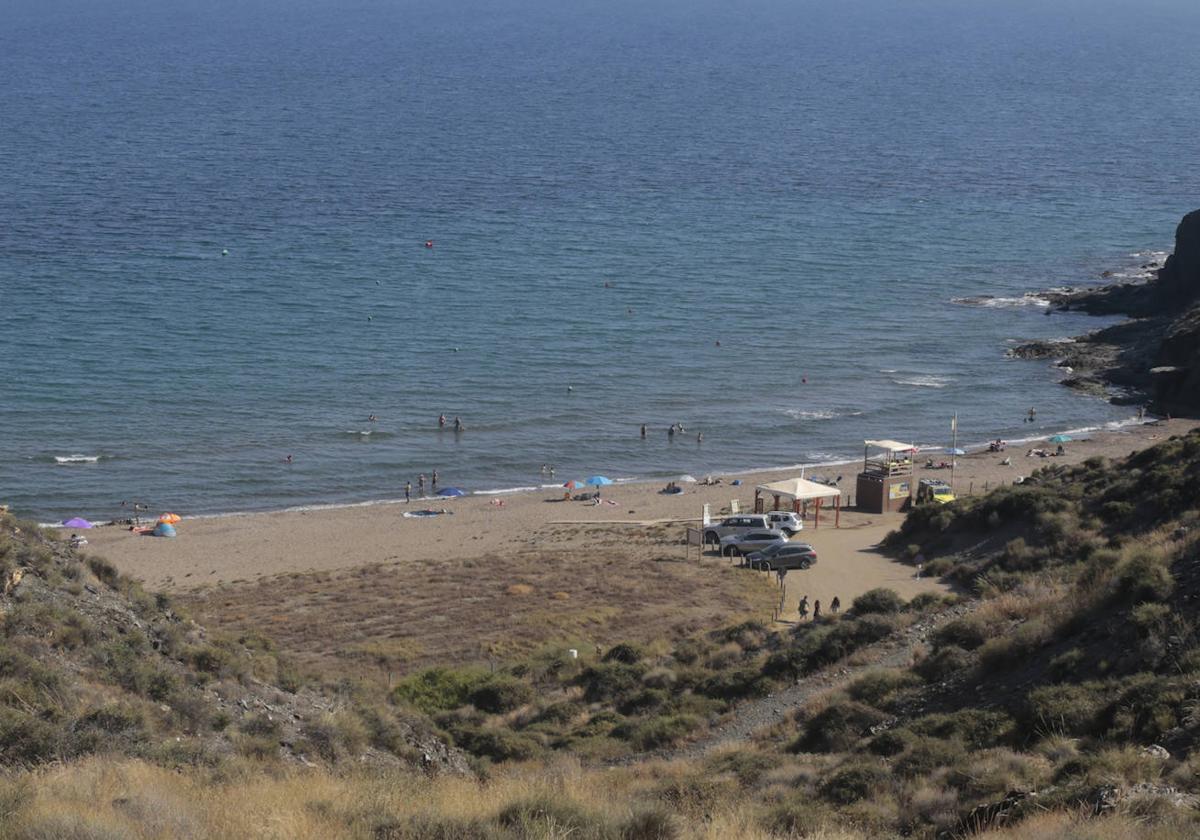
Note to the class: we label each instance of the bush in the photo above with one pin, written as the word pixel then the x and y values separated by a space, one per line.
pixel 496 744
pixel 500 693
pixel 853 783
pixel 1072 709
pixel 975 728
pixel 1007 651
pixel 437 689
pixel 966 633
pixel 610 680
pixel 875 686
pixel 734 684
pixel 658 731
pixel 655 823
pixel 879 600
pixel 1144 577
pixel 104 571
pixel 624 653
pixel 926 755
pixel 838 727
pixel 946 662
pixel 546 816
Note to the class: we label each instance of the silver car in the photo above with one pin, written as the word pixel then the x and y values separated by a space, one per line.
pixel 736 545
pixel 740 524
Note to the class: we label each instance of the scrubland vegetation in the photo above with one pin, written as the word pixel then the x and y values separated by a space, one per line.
pixel 1057 696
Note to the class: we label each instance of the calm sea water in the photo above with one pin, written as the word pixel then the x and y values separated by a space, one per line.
pixel 612 189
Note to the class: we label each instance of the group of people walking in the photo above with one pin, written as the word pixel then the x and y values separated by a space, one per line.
pixel 834 606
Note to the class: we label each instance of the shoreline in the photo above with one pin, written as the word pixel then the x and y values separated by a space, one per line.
pixel 506 492
pixel 246 547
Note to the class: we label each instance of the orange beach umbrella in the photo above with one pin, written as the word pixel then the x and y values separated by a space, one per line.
pixel 170 518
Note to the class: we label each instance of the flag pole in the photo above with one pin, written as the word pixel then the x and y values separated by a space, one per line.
pixel 953 448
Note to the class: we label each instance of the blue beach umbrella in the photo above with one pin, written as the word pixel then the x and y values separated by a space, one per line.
pixel 451 491
pixel 1061 439
pixel 950 450
pixel 599 481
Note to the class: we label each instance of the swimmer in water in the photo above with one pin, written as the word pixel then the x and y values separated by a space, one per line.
pixel 372 419
pixel 458 425
pixel 441 421
pixel 288 459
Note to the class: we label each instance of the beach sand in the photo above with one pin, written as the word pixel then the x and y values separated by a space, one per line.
pixel 249 547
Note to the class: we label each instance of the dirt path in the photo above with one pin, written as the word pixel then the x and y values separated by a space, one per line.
pixel 755 715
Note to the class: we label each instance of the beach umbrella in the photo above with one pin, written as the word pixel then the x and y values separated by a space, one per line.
pixel 573 484
pixel 1061 439
pixel 686 479
pixel 170 518
pixel 953 450
pixel 451 492
pixel 77 522
pixel 599 481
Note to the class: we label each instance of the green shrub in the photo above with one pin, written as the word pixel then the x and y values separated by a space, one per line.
pixel 967 633
pixel 926 755
pixel 879 600
pixel 853 783
pixel 838 727
pixel 924 602
pixel 496 744
pixel 499 693
pixel 104 571
pixel 646 700
pixel 875 686
pixel 657 731
pixel 734 684
pixel 624 653
pixel 610 681
pixel 437 689
pixel 1144 577
pixel 260 726
pixel 1017 647
pixel 890 742
pixel 1070 709
pixel 656 823
pixel 946 662
pixel 975 728
pixel 547 816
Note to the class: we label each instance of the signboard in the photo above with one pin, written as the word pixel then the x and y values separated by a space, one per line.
pixel 707 519
pixel 899 490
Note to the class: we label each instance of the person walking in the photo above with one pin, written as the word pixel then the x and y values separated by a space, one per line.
pixel 835 605
pixel 421 485
pixel 816 610
pixel 407 492
pixel 433 481
pixel 803 608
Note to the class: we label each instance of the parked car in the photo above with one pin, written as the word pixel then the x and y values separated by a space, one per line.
pixel 736 545
pixel 783 556
pixel 786 521
pixel 736 525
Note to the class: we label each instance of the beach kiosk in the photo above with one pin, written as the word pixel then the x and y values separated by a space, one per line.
pixel 800 492
pixel 886 481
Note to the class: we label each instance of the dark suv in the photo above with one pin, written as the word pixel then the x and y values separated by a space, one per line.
pixel 789 555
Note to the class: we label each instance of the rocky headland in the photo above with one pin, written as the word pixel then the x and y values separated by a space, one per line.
pixel 1154 357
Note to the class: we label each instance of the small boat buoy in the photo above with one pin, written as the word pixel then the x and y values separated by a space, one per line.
pixel 224 252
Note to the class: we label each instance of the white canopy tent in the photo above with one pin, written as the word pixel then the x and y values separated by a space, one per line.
pixel 801 491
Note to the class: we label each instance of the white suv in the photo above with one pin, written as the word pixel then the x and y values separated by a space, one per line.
pixel 785 521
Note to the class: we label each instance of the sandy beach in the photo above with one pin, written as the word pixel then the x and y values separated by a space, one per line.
pixel 249 547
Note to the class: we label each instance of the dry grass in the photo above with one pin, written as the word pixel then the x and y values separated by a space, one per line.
pixel 386 620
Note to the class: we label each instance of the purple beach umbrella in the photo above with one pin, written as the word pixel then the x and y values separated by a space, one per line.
pixel 77 522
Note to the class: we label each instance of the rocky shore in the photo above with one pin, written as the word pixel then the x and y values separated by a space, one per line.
pixel 1154 357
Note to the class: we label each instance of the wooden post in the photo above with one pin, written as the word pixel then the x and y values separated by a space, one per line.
pixel 817 514
pixel 837 512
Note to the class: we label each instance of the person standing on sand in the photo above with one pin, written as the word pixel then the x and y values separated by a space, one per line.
pixel 816 610
pixel 803 608
pixel 835 605
pixel 421 485
pixel 433 481
pixel 407 492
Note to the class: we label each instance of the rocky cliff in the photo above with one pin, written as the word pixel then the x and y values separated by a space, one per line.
pixel 1155 356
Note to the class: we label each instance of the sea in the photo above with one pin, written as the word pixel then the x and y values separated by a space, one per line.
pixel 231 232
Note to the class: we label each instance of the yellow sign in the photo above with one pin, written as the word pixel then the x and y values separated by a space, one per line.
pixel 899 491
